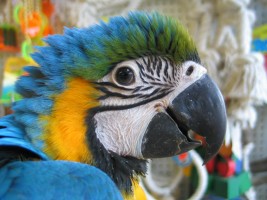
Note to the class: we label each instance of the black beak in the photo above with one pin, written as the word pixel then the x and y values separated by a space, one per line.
pixel 199 108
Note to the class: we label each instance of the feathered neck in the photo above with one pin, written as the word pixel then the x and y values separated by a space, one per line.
pixel 65 127
pixel 123 170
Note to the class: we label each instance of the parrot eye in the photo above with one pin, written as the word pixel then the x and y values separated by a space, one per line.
pixel 190 70
pixel 125 76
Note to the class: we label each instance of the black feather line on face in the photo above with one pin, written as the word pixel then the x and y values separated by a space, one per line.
pixel 152 68
pixel 166 68
pixel 159 67
pixel 148 66
pixel 121 169
pixel 114 94
pixel 124 107
pixel 141 76
pixel 113 85
pixel 137 89
pixel 151 77
pixel 146 88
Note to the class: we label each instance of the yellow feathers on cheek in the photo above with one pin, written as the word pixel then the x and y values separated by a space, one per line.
pixel 65 129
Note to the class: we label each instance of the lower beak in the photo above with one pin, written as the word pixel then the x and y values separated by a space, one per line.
pixel 199 108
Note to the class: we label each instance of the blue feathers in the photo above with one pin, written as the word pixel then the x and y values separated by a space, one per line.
pixel 37 89
pixel 91 52
pixel 9 128
pixel 12 134
pixel 26 118
pixel 38 105
pixel 55 180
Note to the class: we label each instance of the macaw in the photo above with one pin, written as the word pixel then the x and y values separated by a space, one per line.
pixel 103 100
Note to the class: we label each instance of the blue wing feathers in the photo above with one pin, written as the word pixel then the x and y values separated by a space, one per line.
pixel 12 134
pixel 55 180
pixel 9 128
pixel 48 179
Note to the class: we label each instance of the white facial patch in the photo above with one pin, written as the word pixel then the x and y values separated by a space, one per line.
pixel 121 130
pixel 187 80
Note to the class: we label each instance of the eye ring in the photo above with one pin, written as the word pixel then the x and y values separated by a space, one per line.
pixel 124 76
pixel 189 70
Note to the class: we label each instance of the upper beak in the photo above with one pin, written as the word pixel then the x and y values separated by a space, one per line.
pixel 199 108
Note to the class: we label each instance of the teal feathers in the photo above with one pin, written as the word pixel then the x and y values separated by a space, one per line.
pixel 91 52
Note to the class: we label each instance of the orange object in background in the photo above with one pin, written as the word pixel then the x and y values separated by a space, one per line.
pixel 183 156
pixel 48 30
pixel 47 8
pixel 226 151
pixel 33 25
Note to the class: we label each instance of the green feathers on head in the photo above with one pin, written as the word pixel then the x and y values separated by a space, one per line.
pixel 91 52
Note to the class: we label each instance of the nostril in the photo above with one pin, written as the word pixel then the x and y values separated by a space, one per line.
pixel 190 70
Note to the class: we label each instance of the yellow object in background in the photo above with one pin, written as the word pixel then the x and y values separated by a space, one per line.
pixel 260 32
pixel 15 65
pixel 187 170
pixel 226 151
pixel 105 18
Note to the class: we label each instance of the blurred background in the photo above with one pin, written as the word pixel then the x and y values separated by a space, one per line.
pixel 231 36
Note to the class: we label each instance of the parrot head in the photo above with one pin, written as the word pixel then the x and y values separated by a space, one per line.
pixel 119 93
